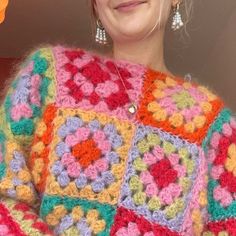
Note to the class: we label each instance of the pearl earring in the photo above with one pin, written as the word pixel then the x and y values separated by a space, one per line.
pixel 177 22
pixel 101 37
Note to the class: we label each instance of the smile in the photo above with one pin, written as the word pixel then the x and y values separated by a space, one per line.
pixel 128 5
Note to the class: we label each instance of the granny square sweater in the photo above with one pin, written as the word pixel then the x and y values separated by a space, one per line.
pixel 75 161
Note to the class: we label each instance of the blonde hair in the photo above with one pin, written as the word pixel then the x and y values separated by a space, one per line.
pixel 188 13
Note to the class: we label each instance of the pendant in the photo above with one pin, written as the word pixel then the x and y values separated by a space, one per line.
pixel 132 108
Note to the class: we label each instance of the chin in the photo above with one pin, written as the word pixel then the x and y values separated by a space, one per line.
pixel 133 23
pixel 131 31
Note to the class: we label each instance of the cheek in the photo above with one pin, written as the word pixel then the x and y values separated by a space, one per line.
pixel 100 6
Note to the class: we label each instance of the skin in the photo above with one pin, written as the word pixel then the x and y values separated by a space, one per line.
pixel 136 32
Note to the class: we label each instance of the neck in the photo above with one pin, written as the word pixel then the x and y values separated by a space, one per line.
pixel 149 52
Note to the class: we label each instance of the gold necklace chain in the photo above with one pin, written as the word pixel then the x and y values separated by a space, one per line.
pixel 133 106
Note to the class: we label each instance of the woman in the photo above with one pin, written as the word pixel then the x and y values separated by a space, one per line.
pixel 116 146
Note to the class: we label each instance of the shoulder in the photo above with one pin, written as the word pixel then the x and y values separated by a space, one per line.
pixel 61 51
pixel 32 88
pixel 184 108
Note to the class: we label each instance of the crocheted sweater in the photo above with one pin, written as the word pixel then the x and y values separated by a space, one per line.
pixel 70 148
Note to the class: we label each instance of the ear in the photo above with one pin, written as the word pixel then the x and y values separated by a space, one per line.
pixel 175 2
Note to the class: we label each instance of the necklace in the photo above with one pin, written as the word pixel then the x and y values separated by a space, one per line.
pixel 133 106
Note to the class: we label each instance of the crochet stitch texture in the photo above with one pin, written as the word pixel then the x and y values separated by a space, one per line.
pixel 69 145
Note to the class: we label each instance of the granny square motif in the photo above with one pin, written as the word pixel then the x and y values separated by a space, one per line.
pixel 160 177
pixel 221 227
pixel 90 82
pixel 17 218
pixel 126 222
pixel 88 155
pixel 221 148
pixel 73 216
pixel 177 106
pixel 22 108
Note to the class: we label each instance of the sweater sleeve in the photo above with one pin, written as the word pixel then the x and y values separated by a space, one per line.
pixel 25 101
pixel 220 148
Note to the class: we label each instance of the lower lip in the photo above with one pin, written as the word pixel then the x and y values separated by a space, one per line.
pixel 129 8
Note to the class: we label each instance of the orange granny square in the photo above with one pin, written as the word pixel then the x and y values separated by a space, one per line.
pixel 177 106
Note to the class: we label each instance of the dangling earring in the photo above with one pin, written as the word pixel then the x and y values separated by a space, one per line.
pixel 101 37
pixel 177 22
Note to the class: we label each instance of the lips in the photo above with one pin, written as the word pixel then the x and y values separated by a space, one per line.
pixel 130 3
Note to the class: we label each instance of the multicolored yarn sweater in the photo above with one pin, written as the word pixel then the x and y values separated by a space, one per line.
pixel 69 146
